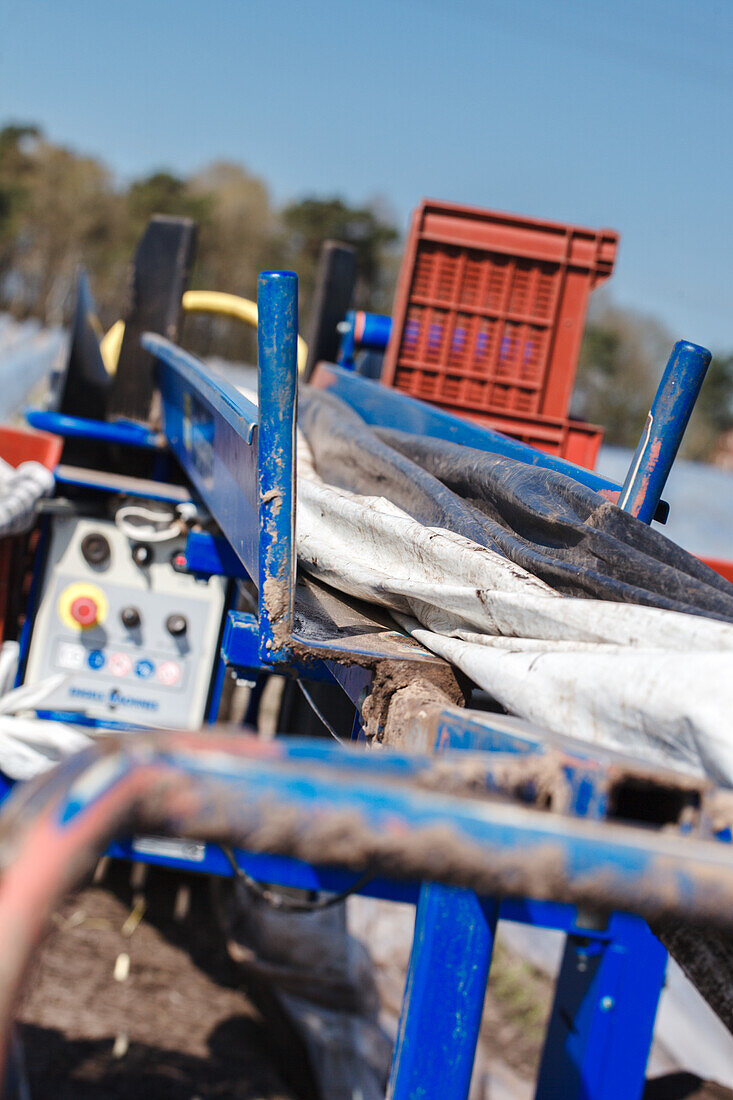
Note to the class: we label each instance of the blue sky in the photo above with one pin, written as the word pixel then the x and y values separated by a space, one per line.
pixel 607 114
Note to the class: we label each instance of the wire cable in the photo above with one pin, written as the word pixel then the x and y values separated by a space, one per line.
pixel 319 713
pixel 285 903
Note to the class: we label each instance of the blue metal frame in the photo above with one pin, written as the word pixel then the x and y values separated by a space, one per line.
pixel 610 1030
pixel 242 462
pixel 602 1023
pixel 442 1008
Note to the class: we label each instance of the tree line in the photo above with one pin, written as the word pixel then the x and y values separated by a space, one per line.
pixel 60 210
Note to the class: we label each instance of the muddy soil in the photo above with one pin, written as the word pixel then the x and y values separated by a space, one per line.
pixel 179 1025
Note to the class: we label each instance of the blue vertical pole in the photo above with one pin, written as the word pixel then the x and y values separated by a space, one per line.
pixel 277 337
pixel 444 995
pixel 602 1021
pixel 673 403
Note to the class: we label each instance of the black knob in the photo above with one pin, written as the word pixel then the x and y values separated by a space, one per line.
pixel 130 617
pixel 176 625
pixel 95 549
pixel 142 554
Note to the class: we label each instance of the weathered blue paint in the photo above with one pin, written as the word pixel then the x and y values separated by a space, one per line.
pixel 210 555
pixel 673 403
pixel 444 995
pixel 123 432
pixel 241 650
pixel 386 408
pixel 602 1021
pixel 277 336
pixel 212 430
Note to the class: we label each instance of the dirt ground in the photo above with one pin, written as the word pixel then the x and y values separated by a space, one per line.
pixel 133 995
pixel 178 1026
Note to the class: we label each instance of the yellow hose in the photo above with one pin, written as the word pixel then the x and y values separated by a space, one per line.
pixel 196 301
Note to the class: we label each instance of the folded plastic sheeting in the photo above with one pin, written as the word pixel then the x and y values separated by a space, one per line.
pixel 656 681
pixel 29 745
pixel 19 490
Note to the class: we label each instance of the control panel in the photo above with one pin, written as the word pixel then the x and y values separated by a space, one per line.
pixel 135 635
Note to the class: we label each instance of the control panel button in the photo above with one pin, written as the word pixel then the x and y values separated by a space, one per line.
pixel 144 669
pixel 82 606
pixel 84 611
pixel 176 625
pixel 119 664
pixel 70 656
pixel 130 617
pixel 142 554
pixel 95 549
pixel 168 673
pixel 178 561
pixel 96 659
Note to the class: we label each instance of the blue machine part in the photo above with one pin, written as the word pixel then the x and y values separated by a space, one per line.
pixel 602 1021
pixel 212 430
pixel 362 331
pixel 210 555
pixel 124 432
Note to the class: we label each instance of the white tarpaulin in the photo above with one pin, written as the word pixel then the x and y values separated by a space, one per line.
pixel 656 683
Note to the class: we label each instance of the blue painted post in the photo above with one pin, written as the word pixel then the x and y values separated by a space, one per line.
pixel 602 1021
pixel 444 995
pixel 606 999
pixel 665 426
pixel 277 335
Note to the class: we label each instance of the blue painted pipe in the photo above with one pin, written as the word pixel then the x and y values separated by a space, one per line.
pixel 673 403
pixel 371 330
pixel 123 432
pixel 277 336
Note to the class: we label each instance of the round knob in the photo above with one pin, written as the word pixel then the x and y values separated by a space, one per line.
pixel 84 611
pixel 176 625
pixel 130 617
pixel 141 554
pixel 95 548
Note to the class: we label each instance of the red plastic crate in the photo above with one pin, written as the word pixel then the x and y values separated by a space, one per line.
pixel 574 440
pixel 20 445
pixel 490 309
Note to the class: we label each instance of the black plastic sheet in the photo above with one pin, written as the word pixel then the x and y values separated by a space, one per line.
pixel 557 529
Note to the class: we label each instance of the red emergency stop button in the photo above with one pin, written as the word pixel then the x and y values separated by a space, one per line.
pixel 82 606
pixel 84 611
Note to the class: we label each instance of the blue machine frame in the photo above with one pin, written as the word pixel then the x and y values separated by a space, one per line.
pixel 241 461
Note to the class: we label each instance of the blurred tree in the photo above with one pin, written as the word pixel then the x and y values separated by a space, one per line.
pixel 161 193
pixel 713 414
pixel 15 167
pixel 621 362
pixel 311 221
pixel 238 238
pixel 63 211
